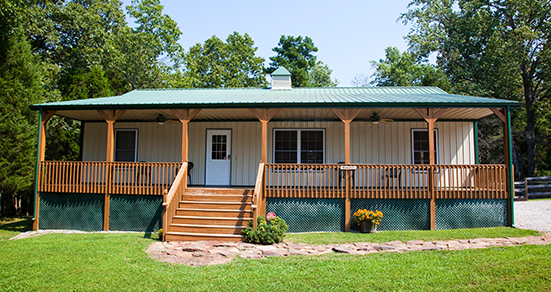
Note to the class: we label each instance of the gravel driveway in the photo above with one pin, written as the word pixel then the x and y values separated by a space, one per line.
pixel 533 215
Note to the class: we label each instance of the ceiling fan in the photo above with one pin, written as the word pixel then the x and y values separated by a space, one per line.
pixel 161 120
pixel 375 119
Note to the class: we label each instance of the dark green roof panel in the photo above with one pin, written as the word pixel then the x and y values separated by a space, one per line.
pixel 297 97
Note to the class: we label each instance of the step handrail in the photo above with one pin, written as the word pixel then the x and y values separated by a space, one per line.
pixel 173 196
pixel 258 194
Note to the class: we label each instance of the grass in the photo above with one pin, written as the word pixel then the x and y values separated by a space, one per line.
pixel 386 236
pixel 10 227
pixel 100 261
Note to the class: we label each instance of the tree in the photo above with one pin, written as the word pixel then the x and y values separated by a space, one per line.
pixel 296 54
pixel 405 69
pixel 495 48
pixel 146 55
pixel 320 76
pixel 219 64
pixel 20 86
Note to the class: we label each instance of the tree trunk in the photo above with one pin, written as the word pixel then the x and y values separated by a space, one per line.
pixel 531 141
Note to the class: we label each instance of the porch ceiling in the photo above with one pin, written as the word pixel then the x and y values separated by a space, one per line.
pixel 226 114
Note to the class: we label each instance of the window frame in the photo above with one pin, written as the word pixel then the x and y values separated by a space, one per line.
pixel 135 144
pixel 299 149
pixel 436 146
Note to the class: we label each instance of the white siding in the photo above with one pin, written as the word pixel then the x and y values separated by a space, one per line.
pixel 380 144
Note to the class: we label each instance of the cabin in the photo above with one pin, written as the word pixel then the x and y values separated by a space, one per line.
pixel 201 163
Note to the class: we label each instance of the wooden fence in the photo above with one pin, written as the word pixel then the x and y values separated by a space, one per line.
pixel 533 187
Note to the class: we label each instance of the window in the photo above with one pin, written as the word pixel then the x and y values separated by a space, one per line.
pixel 299 146
pixel 420 146
pixel 126 143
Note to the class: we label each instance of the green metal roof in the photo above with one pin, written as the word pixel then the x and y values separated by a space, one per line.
pixel 281 71
pixel 295 98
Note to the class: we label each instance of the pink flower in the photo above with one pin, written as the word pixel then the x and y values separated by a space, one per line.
pixel 270 216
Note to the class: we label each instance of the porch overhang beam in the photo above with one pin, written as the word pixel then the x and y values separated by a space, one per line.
pixel 185 116
pixel 264 118
pixel 347 116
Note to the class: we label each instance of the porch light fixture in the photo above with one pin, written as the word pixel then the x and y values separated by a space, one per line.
pixel 161 120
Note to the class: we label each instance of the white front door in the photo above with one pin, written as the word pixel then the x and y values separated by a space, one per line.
pixel 218 157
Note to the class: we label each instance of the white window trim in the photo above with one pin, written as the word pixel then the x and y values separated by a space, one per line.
pixel 435 142
pixel 298 142
pixel 135 143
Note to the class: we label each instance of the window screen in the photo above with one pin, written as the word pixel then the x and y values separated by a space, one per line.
pixel 125 145
pixel 420 147
pixel 299 146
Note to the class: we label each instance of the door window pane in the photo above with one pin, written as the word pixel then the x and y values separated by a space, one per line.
pixel 219 145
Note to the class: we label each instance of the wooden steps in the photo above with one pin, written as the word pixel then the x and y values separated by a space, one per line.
pixel 211 214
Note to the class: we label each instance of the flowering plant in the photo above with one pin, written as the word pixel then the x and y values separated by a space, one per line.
pixel 368 215
pixel 267 231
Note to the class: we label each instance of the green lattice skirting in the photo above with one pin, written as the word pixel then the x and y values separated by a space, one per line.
pixel 309 215
pixel 452 214
pixel 397 214
pixel 135 213
pixel 85 212
pixel 71 211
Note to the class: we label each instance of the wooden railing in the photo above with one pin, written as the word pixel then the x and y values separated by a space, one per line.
pixel 138 178
pixel 258 205
pixel 386 181
pixel 173 197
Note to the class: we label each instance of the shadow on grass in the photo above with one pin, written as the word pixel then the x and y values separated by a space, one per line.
pixel 17 225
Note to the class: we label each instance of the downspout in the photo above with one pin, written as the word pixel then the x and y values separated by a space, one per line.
pixel 511 175
pixel 476 153
pixel 37 166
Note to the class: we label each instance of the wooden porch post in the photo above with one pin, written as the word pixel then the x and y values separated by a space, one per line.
pixel 184 116
pixel 264 118
pixel 505 116
pixel 43 120
pixel 110 117
pixel 431 117
pixel 347 117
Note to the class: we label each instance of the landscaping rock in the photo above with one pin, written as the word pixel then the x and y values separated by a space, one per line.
pixel 344 249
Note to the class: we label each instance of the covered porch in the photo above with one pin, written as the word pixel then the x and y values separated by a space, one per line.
pixel 341 176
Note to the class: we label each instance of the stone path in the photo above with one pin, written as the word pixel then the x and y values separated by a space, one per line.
pixel 201 253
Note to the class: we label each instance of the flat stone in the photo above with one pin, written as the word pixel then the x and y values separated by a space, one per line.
pixel 271 253
pixel 243 246
pixel 251 255
pixel 294 252
pixel 266 247
pixel 384 247
pixel 415 242
pixel 225 244
pixel 344 249
pixel 394 243
pixel 195 248
pixel 225 251
pixel 434 247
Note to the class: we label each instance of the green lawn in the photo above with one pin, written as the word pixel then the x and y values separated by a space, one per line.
pixel 100 262
pixel 386 236
pixel 13 226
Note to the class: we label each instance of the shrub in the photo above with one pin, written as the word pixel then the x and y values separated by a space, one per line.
pixel 267 232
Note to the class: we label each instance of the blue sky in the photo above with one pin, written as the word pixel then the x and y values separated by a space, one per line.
pixel 348 34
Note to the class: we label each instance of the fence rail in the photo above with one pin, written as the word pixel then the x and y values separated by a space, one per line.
pixel 535 187
pixel 386 181
pixel 131 178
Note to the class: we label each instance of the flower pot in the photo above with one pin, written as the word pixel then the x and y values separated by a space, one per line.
pixel 368 227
